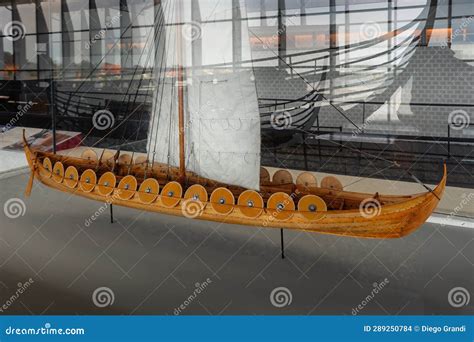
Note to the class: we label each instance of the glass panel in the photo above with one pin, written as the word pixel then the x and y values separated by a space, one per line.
pixel 56 49
pixel 6 47
pixel 463 8
pixel 76 15
pixel 439 34
pixel 142 47
pixel 462 38
pixel 215 10
pixel 141 12
pixel 72 39
pixel 26 14
pixel 49 16
pixel 105 14
pixel 5 14
pixel 26 53
pixel 26 75
pixel 7 64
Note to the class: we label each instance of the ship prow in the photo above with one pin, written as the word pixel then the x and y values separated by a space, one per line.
pixel 279 203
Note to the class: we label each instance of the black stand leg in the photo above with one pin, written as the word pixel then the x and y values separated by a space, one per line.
pixel 111 213
pixel 282 244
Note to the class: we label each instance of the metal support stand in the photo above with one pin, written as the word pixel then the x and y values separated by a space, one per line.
pixel 282 244
pixel 111 213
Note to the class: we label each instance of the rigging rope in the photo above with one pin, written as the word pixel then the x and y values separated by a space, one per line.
pixel 96 67
pixel 172 97
pixel 158 12
pixel 123 121
pixel 163 60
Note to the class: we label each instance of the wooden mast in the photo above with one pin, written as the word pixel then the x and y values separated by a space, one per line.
pixel 179 41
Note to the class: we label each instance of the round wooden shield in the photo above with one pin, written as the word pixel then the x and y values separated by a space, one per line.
pixel 222 201
pixel 48 168
pixel 127 187
pixel 106 184
pixel 149 190
pixel 171 194
pixel 250 203
pixel 90 155
pixel 282 177
pixel 264 175
pixel 196 192
pixel 332 183
pixel 141 160
pixel 125 159
pixel 58 172
pixel 108 158
pixel 71 177
pixel 195 199
pixel 312 207
pixel 88 180
pixel 306 179
pixel 281 206
pixel 140 164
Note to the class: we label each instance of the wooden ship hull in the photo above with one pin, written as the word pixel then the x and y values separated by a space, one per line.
pixel 280 203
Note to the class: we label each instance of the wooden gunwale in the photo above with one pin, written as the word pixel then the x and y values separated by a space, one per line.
pixel 266 189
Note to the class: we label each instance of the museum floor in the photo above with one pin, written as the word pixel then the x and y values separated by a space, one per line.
pixel 154 263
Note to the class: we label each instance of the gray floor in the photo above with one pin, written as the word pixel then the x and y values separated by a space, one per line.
pixel 153 262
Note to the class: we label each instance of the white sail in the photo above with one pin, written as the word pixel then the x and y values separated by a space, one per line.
pixel 225 128
pixel 222 120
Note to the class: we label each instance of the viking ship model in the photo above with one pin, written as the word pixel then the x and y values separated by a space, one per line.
pixel 203 160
